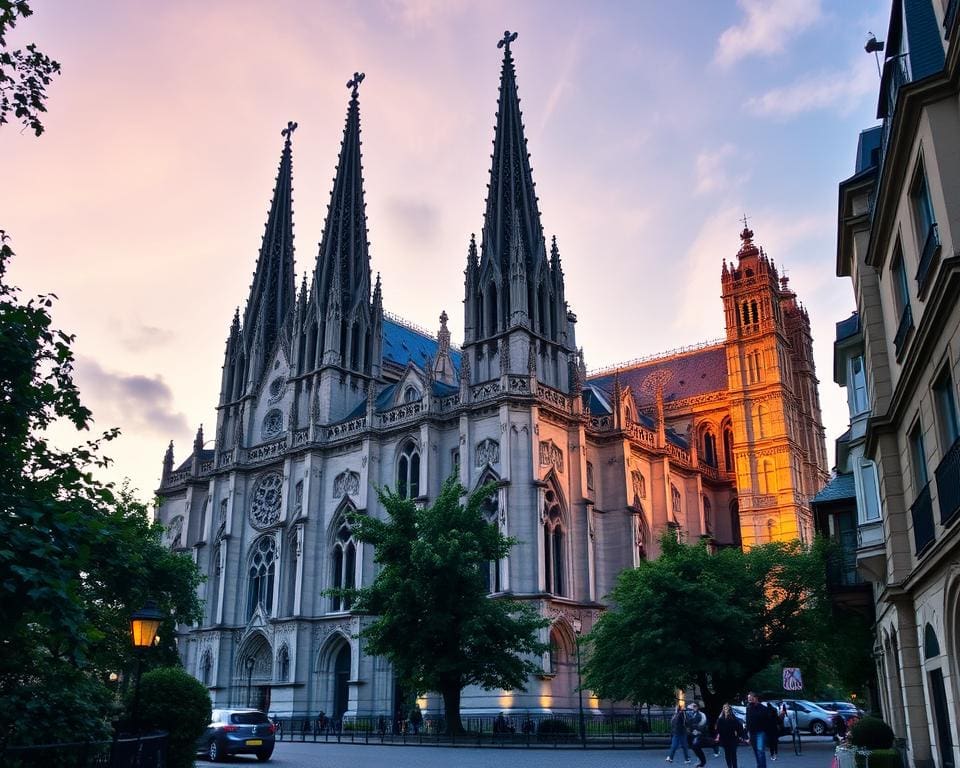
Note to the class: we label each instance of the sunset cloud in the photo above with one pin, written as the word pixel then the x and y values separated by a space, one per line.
pixel 766 28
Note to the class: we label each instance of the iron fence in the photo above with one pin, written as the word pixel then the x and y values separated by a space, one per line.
pixel 642 728
pixel 127 752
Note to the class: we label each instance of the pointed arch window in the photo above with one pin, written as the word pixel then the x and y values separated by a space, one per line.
pixel 261 574
pixel 675 502
pixel 760 421
pixel 411 394
pixel 491 573
pixel 767 477
pixel 344 558
pixel 728 449
pixel 553 545
pixel 710 448
pixel 408 471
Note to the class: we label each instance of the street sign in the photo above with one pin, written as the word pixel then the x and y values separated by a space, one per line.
pixel 792 679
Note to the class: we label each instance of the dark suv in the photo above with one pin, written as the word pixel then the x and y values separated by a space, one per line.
pixel 237 732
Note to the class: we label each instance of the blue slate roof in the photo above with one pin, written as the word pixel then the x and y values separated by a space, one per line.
pixel 692 374
pixel 841 487
pixel 849 327
pixel 868 148
pixel 402 344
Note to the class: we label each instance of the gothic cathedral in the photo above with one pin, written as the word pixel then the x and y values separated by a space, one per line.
pixel 324 398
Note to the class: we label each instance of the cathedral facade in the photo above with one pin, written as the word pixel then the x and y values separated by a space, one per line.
pixel 325 398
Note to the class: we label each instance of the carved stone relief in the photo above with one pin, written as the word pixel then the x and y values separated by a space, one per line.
pixel 488 452
pixel 551 455
pixel 346 483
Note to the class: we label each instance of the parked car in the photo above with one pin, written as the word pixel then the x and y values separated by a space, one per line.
pixel 237 732
pixel 808 716
pixel 740 712
pixel 845 708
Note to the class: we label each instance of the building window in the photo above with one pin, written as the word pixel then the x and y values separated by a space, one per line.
pixel 710 448
pixel 491 572
pixel 918 458
pixel 922 206
pixel 411 395
pixel 344 565
pixel 767 477
pixel 760 421
pixel 754 366
pixel 901 297
pixel 728 449
pixel 945 405
pixel 553 545
pixel 262 569
pixel 408 471
pixel 858 386
pixel 455 462
pixel 589 476
pixel 871 497
pixel 675 502
pixel 298 495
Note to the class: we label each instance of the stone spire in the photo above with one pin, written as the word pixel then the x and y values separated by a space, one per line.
pixel 512 215
pixel 273 292
pixel 342 276
pixel 168 461
pixel 443 369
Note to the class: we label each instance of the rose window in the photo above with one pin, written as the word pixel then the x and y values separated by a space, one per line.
pixel 272 423
pixel 265 509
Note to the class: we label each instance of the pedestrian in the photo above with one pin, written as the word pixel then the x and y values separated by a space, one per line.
pixel 773 731
pixel 500 724
pixel 757 728
pixel 678 734
pixel 697 731
pixel 729 735
pixel 416 718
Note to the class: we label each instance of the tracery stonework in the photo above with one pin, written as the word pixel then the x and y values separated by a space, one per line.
pixel 551 455
pixel 265 506
pixel 488 452
pixel 346 483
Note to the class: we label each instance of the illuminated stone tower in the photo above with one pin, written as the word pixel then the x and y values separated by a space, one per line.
pixel 777 435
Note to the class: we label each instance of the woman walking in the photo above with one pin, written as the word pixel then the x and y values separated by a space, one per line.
pixel 678 734
pixel 729 733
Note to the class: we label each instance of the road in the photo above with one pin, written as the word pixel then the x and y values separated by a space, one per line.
pixel 817 753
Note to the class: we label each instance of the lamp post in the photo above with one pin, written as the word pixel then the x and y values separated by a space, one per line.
pixel 143 631
pixel 577 629
pixel 249 662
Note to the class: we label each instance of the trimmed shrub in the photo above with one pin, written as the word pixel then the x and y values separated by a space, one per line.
pixel 872 733
pixel 172 700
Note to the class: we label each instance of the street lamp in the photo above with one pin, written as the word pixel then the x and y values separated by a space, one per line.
pixel 143 630
pixel 249 662
pixel 577 629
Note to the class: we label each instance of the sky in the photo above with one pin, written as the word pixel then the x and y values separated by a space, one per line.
pixel 653 128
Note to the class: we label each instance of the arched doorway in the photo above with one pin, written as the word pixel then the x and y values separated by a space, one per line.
pixel 341 684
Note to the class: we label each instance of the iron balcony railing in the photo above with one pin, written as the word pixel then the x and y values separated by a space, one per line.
pixel 923 529
pixel 928 258
pixel 948 484
pixel 903 330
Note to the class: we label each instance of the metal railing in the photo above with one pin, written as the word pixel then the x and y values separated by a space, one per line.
pixel 928 256
pixel 635 729
pixel 128 752
pixel 948 484
pixel 922 512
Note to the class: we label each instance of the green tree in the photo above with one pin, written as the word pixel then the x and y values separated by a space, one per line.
pixel 173 701
pixel 76 558
pixel 711 619
pixel 432 617
pixel 25 73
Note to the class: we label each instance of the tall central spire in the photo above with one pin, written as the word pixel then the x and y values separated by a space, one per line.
pixel 274 288
pixel 512 200
pixel 344 259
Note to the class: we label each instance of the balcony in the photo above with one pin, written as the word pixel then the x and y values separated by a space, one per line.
pixel 903 330
pixel 922 512
pixel 948 485
pixel 929 257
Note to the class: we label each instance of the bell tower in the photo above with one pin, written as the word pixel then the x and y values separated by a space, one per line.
pixel 766 411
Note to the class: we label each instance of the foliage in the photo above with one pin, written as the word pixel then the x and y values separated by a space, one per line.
pixel 76 557
pixel 172 700
pixel 872 733
pixel 880 758
pixel 713 619
pixel 25 73
pixel 434 621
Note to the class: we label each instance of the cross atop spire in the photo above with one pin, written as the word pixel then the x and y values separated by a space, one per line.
pixel 354 84
pixel 287 132
pixel 744 220
pixel 508 37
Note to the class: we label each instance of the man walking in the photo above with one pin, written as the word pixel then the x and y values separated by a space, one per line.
pixel 757 728
pixel 697 728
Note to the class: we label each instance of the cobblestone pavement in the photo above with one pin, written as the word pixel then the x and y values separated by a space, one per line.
pixel 817 753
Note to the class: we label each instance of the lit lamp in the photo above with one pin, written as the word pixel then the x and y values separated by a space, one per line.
pixel 143 632
pixel 577 629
